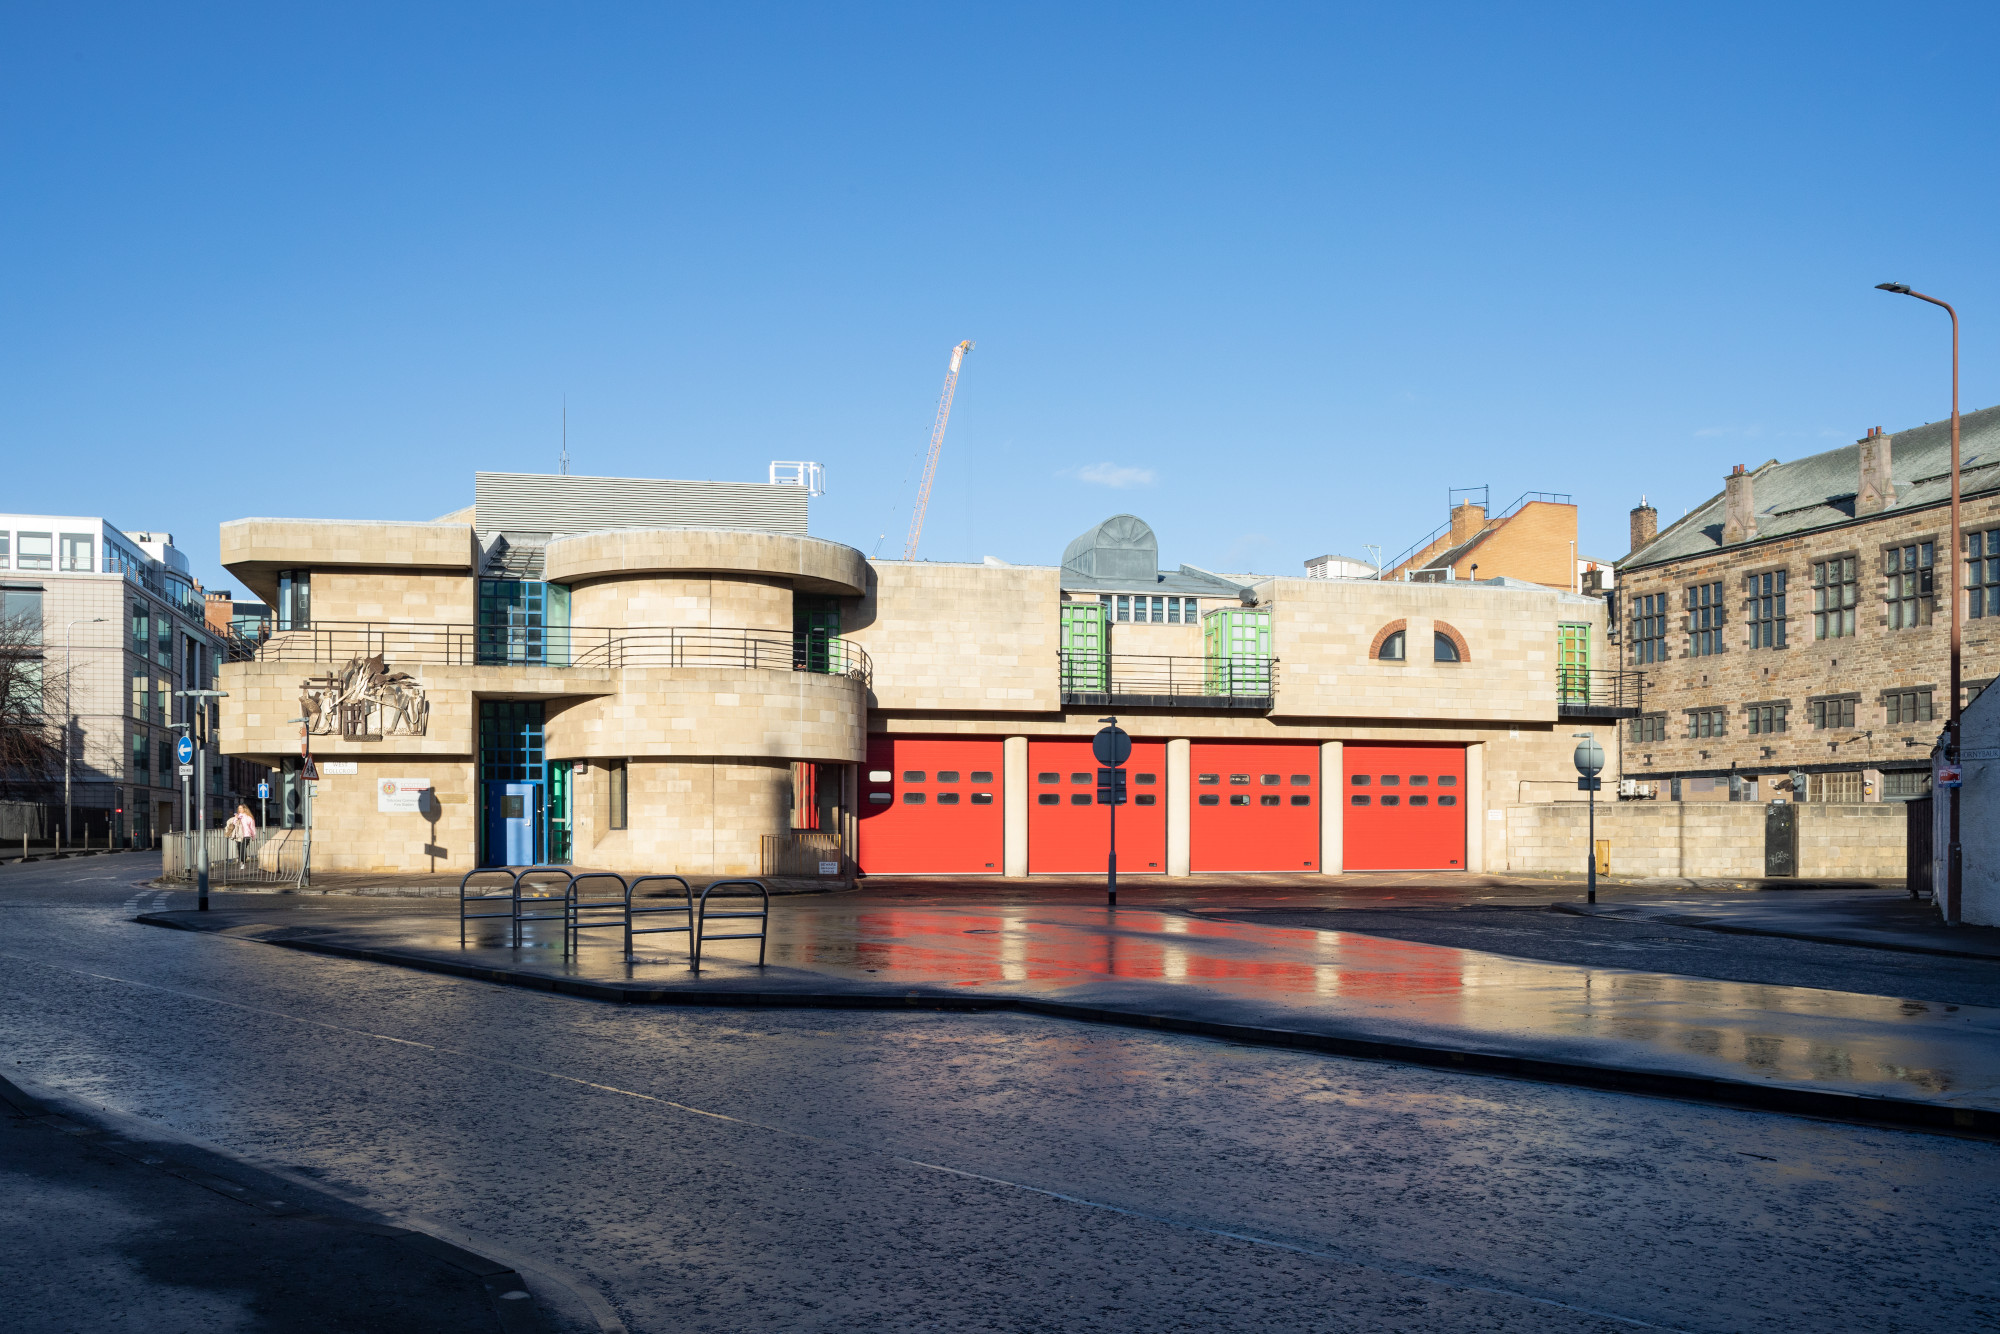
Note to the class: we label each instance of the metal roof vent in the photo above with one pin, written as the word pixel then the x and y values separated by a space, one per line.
pixel 1122 547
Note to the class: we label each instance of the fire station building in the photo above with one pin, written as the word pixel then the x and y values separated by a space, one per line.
pixel 653 676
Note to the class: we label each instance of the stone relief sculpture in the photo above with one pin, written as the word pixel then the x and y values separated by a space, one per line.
pixel 365 701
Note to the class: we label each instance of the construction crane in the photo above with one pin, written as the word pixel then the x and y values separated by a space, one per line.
pixel 937 446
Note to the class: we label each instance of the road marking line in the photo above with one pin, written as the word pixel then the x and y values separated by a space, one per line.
pixel 865 1151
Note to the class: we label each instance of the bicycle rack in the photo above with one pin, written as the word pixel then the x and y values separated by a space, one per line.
pixel 577 906
pixel 686 907
pixel 702 914
pixel 508 895
pixel 536 900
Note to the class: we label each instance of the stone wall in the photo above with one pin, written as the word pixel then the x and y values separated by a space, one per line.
pixel 960 637
pixel 1703 840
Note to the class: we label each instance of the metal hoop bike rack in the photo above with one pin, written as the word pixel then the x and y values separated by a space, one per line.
pixel 507 895
pixel 533 900
pixel 582 914
pixel 762 913
pixel 685 908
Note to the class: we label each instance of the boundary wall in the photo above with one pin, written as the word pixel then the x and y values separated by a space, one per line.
pixel 1706 839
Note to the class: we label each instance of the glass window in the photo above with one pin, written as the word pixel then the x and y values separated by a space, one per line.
pixel 1446 799
pixel 294 609
pixel 21 610
pixel 1239 799
pixel 982 798
pixel 1239 780
pixel 1208 778
pixel 1302 780
pixel 1834 594
pixel 1707 722
pixel 1704 604
pixel 1443 647
pixel 947 799
pixel 1389 800
pixel 913 775
pixel 1078 780
pixel 913 798
pixel 1767 609
pixel 1080 798
pixel 1144 779
pixel 982 775
pixel 880 776
pixel 37 551
pixel 947 776
pixel 1982 572
pixel 1417 799
pixel 1173 611
pixel 1145 799
pixel 1907 706
pixel 1447 780
pixel 1049 799
pixel 1048 778
pixel 1269 780
pixel 1833 713
pixel 879 798
pixel 1209 799
pixel 1650 727
pixel 1358 799
pixel 142 758
pixel 6 540
pixel 1270 801
pixel 1124 605
pixel 1765 718
pixel 1649 628
pixel 1420 780
pixel 1302 801
pixel 1909 585
pixel 1392 780
pixel 79 553
pixel 1360 780
pixel 1392 648
pixel 614 776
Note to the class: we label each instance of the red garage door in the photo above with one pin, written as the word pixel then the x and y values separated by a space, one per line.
pixel 1069 831
pixel 930 807
pixel 1404 808
pixel 1256 807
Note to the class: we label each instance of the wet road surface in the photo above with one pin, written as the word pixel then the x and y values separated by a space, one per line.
pixel 724 1170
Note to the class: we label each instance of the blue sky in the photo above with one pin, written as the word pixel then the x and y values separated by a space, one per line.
pixel 1273 277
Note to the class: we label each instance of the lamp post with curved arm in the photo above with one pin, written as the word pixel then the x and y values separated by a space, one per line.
pixel 69 723
pixel 1954 857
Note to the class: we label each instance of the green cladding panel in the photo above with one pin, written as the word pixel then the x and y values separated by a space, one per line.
pixel 1237 643
pixel 1086 665
pixel 1572 664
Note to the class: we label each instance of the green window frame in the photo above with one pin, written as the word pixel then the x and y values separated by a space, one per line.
pixel 1084 641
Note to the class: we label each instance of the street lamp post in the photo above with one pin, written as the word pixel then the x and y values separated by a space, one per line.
pixel 1954 856
pixel 1589 761
pixel 69 725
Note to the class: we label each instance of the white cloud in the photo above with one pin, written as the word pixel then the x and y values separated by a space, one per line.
pixel 1113 475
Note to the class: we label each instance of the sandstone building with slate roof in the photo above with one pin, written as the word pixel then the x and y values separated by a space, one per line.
pixel 1797 620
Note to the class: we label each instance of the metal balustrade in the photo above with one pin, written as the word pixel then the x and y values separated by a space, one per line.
pixel 418 643
pixel 1102 680
pixel 1599 694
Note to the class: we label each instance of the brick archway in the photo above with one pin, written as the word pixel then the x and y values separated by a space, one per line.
pixel 1458 640
pixel 1382 637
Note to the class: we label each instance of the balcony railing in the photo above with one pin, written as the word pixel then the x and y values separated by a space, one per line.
pixel 1583 692
pixel 1136 680
pixel 405 644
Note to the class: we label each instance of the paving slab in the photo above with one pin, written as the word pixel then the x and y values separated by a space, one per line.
pixel 1802 1049
pixel 1878 919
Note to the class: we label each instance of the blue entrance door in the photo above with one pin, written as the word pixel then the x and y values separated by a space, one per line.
pixel 513 823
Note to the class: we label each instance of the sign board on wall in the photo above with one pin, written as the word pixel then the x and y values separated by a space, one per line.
pixel 330 767
pixel 401 794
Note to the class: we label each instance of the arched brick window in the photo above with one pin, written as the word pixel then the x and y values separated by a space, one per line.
pixel 1448 645
pixel 1390 642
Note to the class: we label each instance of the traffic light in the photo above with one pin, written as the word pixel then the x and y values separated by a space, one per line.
pixel 1111 787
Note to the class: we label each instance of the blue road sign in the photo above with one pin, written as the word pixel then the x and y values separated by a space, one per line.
pixel 184 751
pixel 263 791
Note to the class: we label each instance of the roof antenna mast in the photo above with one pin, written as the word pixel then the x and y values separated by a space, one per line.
pixel 563 463
pixel 937 445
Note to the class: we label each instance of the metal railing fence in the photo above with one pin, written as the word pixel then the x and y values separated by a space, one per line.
pixel 1085 673
pixel 274 857
pixel 1581 688
pixel 804 854
pixel 530 895
pixel 416 643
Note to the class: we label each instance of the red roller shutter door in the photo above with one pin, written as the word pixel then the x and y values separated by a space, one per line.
pixel 1404 808
pixel 1069 831
pixel 1255 807
pixel 931 807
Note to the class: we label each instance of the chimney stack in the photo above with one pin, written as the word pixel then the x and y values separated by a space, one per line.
pixel 1645 524
pixel 1877 490
pixel 1739 509
pixel 1467 522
